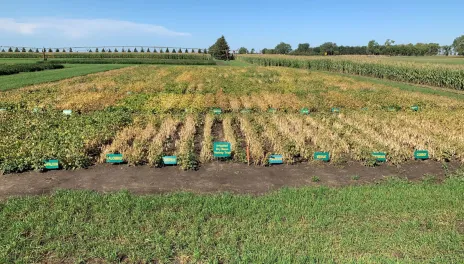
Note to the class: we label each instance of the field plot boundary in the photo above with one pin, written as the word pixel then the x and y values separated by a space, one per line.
pixel 216 176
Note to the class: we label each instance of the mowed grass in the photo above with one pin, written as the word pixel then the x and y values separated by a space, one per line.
pixel 15 81
pixel 390 222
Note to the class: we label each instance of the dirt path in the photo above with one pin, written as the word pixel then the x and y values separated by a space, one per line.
pixel 214 177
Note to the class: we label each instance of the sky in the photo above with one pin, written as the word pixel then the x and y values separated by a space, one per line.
pixel 251 24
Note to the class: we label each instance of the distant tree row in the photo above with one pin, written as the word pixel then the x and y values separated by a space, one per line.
pixel 204 51
pixel 372 48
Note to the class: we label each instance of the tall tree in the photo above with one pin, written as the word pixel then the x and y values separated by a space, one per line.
pixel 328 47
pixel 373 47
pixel 283 48
pixel 303 48
pixel 220 50
pixel 446 49
pixel 458 45
pixel 242 50
pixel 252 51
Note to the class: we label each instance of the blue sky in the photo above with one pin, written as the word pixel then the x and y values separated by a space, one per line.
pixel 253 24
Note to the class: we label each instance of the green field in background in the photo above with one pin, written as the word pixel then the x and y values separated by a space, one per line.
pixel 19 80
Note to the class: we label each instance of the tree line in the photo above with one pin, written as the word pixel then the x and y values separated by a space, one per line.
pixel 373 48
pixel 109 50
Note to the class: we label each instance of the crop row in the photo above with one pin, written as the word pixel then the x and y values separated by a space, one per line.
pixel 155 89
pixel 439 76
pixel 134 61
pixel 27 67
pixel 81 140
pixel 122 55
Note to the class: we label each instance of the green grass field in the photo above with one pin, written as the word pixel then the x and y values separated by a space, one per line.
pixel 391 222
pixel 14 81
pixel 16 61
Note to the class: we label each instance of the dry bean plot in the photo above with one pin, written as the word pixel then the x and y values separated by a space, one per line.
pixel 146 113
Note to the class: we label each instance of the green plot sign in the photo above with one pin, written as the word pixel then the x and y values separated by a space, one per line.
pixel 170 160
pixel 51 164
pixel 415 108
pixel 276 159
pixel 2 109
pixel 217 111
pixel 272 110
pixel 222 149
pixel 304 111
pixel 67 112
pixel 335 110
pixel 324 156
pixel 380 156
pixel 245 111
pixel 114 158
pixel 421 154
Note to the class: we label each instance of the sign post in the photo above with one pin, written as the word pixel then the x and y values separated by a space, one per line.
pixel 170 160
pixel 222 150
pixel 304 111
pixel 421 154
pixel 51 164
pixel 324 156
pixel 380 156
pixel 114 158
pixel 276 159
pixel 335 110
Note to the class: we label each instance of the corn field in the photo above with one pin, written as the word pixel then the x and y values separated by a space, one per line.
pixel 447 76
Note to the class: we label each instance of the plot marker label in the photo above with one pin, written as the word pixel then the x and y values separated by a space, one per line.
pixel 222 149
pixel 380 156
pixel 51 164
pixel 324 156
pixel 114 158
pixel 421 154
pixel 276 159
pixel 170 160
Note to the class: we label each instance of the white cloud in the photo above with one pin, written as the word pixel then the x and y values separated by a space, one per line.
pixel 81 28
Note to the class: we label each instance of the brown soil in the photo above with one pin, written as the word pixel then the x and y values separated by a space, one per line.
pixel 213 177
pixel 217 130
pixel 169 145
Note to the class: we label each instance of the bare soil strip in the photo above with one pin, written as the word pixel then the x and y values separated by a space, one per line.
pixel 212 177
